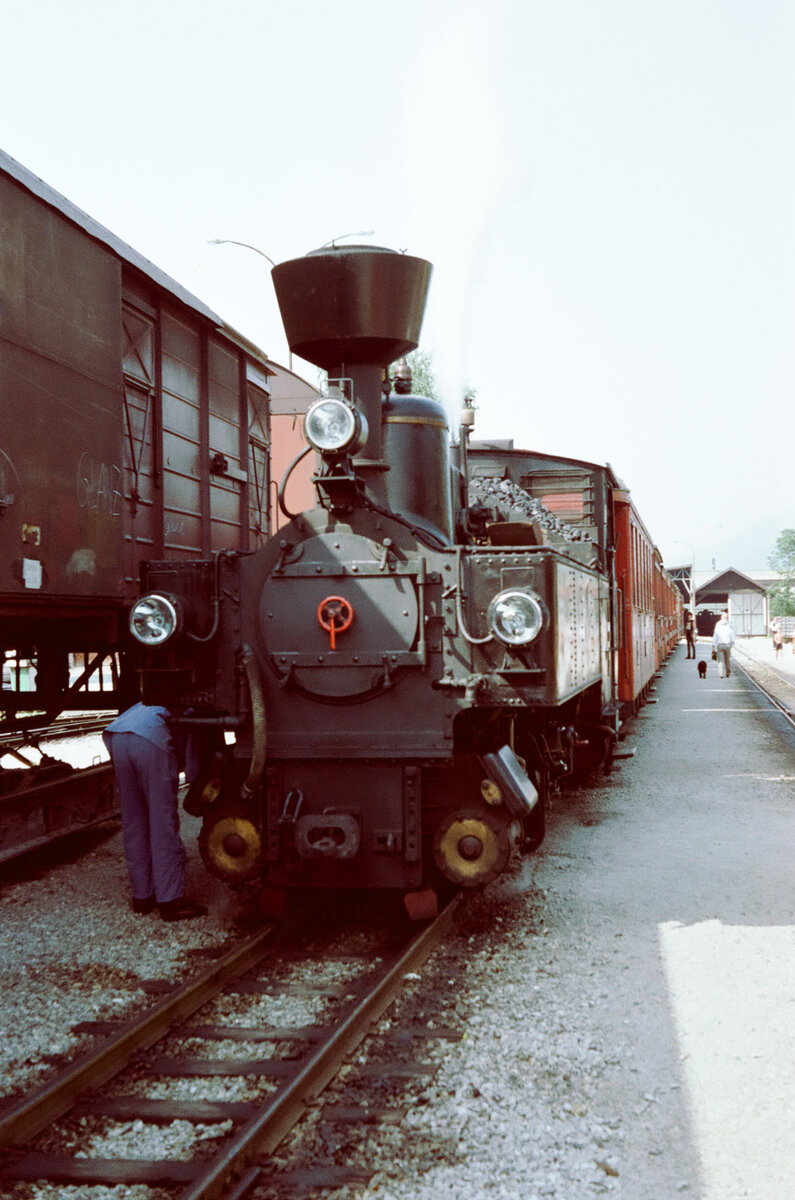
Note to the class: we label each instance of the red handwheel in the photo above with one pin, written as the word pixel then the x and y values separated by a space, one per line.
pixel 335 614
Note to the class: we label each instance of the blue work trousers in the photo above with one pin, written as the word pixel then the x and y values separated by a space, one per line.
pixel 147 777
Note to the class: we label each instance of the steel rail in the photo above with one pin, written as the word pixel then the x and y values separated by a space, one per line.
pixel 67 727
pixel 33 801
pixel 38 1111
pixel 235 1171
pixel 783 710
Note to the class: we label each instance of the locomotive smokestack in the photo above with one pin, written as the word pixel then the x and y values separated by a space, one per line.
pixel 352 304
pixel 353 310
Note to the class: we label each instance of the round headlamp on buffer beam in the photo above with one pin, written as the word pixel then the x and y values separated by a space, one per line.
pixel 516 617
pixel 155 618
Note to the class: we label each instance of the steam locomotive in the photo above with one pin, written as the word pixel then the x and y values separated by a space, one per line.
pixel 405 672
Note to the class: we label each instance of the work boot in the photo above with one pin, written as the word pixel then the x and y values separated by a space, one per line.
pixel 181 910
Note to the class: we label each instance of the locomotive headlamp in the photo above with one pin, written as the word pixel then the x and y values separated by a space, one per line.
pixel 515 617
pixel 334 427
pixel 154 618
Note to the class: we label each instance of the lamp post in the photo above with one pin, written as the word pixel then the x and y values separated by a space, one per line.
pixel 256 249
pixel 232 242
pixel 692 578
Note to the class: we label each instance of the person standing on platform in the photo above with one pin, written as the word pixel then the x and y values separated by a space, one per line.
pixel 690 634
pixel 722 642
pixel 778 641
pixel 145 763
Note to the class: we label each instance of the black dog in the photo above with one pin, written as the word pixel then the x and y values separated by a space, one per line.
pixel 702 669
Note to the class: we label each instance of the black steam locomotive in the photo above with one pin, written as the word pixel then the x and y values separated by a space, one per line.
pixel 407 669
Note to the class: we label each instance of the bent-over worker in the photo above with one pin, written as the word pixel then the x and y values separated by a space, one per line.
pixel 145 763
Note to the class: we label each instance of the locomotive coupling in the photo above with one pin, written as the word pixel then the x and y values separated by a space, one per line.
pixel 327 835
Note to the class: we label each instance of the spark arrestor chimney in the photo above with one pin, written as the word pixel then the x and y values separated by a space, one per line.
pixel 353 310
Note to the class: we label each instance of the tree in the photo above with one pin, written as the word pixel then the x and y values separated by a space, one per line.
pixel 782 594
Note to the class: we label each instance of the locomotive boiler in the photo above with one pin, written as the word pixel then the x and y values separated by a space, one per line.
pixel 402 676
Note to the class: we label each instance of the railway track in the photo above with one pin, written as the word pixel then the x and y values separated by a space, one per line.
pixel 76 725
pixel 46 799
pixel 776 702
pixel 173 1043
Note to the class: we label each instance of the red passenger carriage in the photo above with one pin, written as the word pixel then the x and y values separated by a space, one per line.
pixel 650 606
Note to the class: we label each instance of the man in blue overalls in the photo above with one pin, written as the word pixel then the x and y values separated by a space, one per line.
pixel 145 763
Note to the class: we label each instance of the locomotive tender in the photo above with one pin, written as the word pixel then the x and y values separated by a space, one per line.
pixel 407 674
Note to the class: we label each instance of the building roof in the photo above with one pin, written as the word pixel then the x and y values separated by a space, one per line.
pixel 37 187
pixel 717 588
pixel 759 580
pixel 55 200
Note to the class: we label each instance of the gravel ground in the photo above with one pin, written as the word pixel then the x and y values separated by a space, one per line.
pixel 624 995
pixel 71 950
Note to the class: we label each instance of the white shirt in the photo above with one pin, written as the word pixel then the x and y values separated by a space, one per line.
pixel 724 634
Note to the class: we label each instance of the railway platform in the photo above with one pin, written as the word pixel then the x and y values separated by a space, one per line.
pixel 760 650
pixel 758 658
pixel 686 857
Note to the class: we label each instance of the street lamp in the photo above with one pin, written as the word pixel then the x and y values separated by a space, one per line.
pixel 256 249
pixel 232 242
pixel 692 577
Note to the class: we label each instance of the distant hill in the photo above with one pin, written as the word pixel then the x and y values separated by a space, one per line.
pixel 749 550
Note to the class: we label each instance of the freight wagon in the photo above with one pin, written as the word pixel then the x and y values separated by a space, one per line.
pixel 134 424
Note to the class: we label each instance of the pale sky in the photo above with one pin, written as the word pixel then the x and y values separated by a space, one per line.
pixel 605 188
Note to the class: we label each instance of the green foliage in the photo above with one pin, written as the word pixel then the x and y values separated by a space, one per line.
pixel 782 594
pixel 782 601
pixel 783 557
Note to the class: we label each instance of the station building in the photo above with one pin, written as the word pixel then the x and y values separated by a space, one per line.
pixel 744 594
